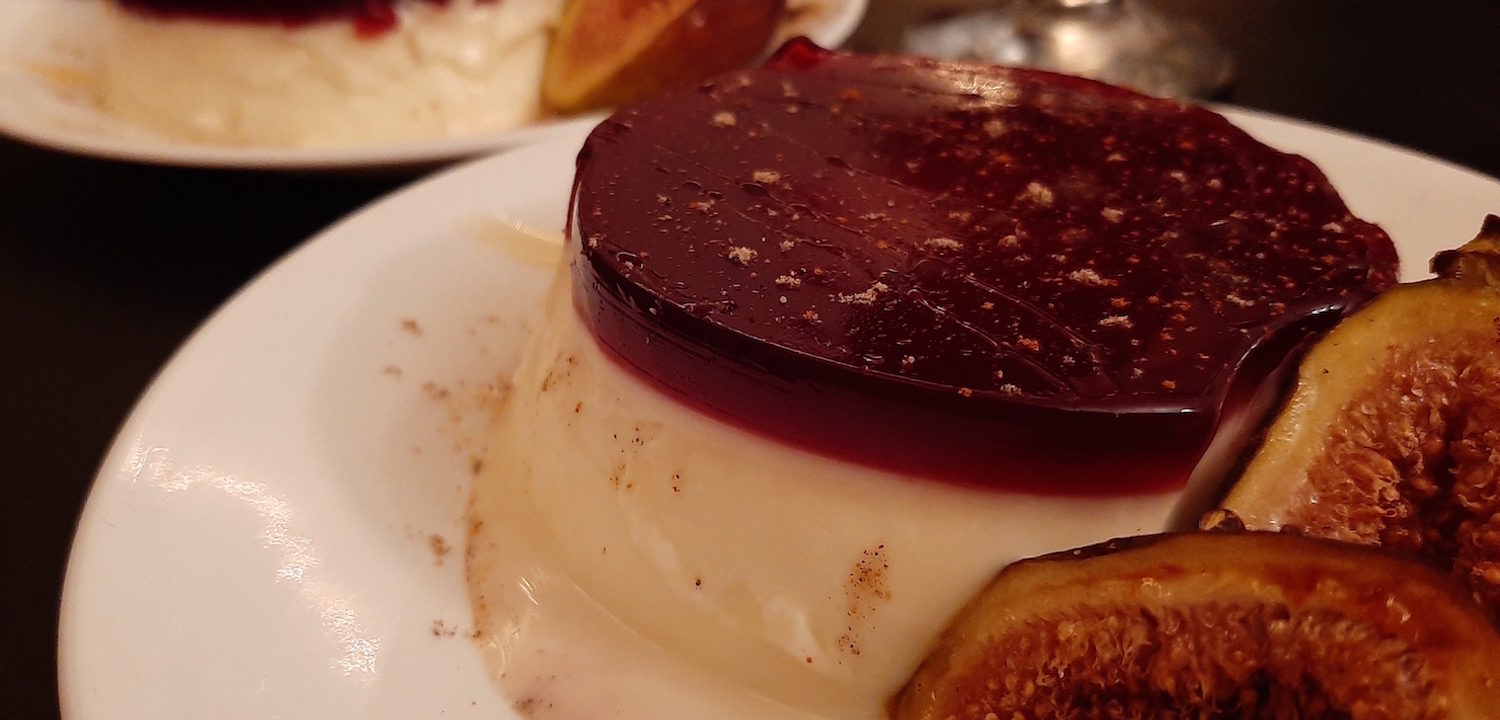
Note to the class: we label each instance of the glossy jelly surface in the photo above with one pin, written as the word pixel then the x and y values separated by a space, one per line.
pixel 996 276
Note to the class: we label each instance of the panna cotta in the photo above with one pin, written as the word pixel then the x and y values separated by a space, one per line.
pixel 300 73
pixel 810 581
pixel 835 339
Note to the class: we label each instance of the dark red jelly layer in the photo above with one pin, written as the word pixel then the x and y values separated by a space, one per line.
pixel 368 16
pixel 992 275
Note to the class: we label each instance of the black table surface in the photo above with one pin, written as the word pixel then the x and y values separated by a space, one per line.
pixel 105 267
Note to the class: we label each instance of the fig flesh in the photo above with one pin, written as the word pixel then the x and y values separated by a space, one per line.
pixel 607 52
pixel 1391 436
pixel 1212 625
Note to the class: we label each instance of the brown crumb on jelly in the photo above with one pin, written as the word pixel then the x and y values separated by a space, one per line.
pixel 724 119
pixel 1235 299
pixel 766 177
pixel 1113 215
pixel 1119 321
pixel 1037 193
pixel 742 255
pixel 864 297
pixel 1087 276
pixel 944 243
pixel 788 281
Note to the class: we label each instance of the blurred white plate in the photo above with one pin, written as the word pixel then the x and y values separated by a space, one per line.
pixel 259 543
pixel 45 99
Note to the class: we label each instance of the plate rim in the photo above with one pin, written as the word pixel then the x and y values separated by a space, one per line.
pixel 70 685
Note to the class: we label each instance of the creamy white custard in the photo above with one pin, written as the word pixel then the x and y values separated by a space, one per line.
pixel 445 70
pixel 634 555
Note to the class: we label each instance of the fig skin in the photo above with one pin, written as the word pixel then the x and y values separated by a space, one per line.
pixel 608 52
pixel 1391 435
pixel 1212 625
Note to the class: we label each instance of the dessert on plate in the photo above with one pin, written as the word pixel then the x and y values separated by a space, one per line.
pixel 836 338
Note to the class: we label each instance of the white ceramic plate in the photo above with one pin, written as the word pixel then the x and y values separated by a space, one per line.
pixel 45 98
pixel 259 543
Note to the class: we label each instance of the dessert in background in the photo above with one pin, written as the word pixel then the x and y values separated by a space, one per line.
pixel 836 338
pixel 323 73
pixel 428 70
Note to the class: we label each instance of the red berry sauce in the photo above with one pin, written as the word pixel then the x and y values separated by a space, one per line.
pixel 370 17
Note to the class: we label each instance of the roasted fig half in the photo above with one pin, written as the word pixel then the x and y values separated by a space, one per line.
pixel 1213 625
pixel 1391 436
